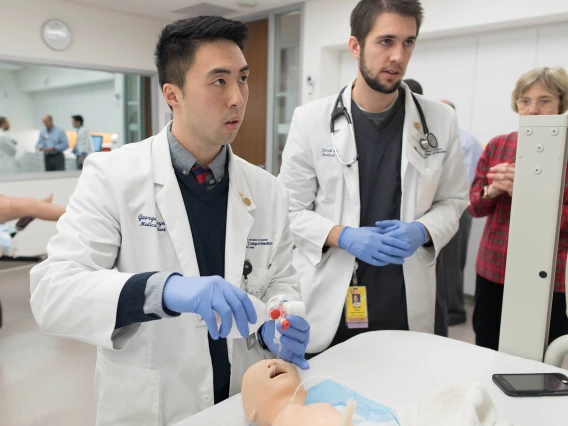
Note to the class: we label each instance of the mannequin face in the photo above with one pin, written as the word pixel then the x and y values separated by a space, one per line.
pixel 264 396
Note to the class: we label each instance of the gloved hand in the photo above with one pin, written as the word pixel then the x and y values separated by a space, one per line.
pixel 203 295
pixel 294 340
pixel 414 234
pixel 371 246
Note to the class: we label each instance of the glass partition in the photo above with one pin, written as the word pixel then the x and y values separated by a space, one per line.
pixel 287 79
pixel 37 104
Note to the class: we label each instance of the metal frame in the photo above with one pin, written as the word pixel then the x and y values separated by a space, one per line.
pixel 78 66
pixel 540 173
pixel 271 16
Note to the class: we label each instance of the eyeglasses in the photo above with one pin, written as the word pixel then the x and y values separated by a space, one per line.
pixel 540 102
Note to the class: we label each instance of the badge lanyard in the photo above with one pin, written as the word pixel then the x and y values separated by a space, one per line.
pixel 356 313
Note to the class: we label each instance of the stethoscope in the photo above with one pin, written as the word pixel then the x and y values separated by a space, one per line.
pixel 426 142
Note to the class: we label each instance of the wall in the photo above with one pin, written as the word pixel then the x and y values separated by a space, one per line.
pixel 102 39
pixel 40 78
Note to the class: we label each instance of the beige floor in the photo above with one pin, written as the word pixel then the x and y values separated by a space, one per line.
pixel 49 381
pixel 43 380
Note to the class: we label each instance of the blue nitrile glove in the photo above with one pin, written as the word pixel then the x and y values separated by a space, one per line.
pixel 414 233
pixel 372 247
pixel 203 295
pixel 294 340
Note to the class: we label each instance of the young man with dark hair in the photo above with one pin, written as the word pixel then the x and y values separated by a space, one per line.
pixel 214 227
pixel 372 204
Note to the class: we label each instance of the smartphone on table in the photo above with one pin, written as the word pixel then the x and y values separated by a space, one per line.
pixel 544 384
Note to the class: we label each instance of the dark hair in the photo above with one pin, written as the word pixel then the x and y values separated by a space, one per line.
pixel 3 120
pixel 178 42
pixel 414 86
pixel 366 12
pixel 78 118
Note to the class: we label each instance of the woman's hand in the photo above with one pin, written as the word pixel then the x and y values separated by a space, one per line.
pixel 503 177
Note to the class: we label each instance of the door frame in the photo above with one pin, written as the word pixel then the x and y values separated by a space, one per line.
pixel 271 90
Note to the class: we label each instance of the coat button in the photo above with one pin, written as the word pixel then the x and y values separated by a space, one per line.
pixel 347 274
pixel 206 399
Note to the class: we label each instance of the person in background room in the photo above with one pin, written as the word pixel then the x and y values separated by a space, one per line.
pixel 52 142
pixel 84 146
pixel 8 163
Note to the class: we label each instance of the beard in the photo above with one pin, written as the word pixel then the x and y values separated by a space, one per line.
pixel 374 82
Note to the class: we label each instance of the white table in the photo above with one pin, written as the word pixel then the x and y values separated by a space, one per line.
pixel 404 368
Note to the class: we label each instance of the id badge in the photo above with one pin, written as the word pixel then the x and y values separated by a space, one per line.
pixel 356 314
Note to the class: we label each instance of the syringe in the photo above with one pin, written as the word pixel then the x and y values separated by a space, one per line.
pixel 278 310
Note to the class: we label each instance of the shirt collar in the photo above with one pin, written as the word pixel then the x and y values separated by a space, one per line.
pixel 183 160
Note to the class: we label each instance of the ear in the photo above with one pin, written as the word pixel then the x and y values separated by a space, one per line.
pixel 172 94
pixel 354 47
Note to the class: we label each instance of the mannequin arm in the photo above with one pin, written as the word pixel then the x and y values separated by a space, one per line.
pixel 15 207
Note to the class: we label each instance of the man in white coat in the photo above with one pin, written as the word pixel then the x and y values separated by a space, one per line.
pixel 372 204
pixel 180 203
pixel 8 150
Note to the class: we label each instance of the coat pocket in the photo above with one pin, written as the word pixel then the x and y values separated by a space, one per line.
pixel 428 181
pixel 126 395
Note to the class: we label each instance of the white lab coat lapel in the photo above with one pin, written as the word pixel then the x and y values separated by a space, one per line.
pixel 411 136
pixel 411 155
pixel 171 206
pixel 347 147
pixel 239 221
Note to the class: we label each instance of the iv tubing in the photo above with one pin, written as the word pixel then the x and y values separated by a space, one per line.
pixel 349 412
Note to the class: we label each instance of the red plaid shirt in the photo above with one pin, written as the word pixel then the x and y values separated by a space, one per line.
pixel 492 255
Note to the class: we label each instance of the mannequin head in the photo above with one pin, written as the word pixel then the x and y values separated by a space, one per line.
pixel 266 397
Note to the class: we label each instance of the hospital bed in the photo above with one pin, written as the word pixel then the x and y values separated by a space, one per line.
pixel 404 368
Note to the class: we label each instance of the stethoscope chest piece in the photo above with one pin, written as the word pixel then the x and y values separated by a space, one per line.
pixel 429 141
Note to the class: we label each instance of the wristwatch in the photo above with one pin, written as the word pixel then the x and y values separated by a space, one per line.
pixel 485 195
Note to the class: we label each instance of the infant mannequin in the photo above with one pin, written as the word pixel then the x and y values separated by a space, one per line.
pixel 266 397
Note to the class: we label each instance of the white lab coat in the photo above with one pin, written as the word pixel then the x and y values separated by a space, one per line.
pixel 158 372
pixel 8 162
pixel 325 193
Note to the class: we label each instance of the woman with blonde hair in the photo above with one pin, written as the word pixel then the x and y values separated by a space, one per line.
pixel 542 91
